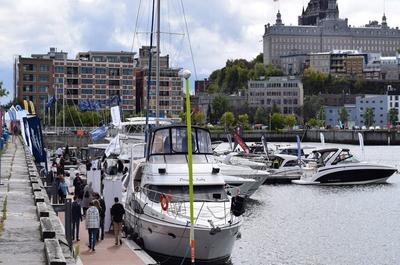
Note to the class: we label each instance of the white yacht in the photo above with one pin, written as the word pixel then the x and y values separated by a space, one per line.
pixel 157 198
pixel 337 166
pixel 284 168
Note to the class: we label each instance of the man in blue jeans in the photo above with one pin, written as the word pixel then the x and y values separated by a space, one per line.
pixel 76 218
pixel 92 224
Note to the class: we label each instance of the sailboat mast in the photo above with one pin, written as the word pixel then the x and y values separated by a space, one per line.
pixel 158 60
pixel 149 80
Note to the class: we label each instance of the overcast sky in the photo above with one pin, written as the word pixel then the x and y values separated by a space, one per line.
pixel 218 29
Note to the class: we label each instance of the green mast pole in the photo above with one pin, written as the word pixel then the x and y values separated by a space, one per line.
pixel 186 75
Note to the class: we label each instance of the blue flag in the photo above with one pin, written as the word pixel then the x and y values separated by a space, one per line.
pixel 98 133
pixel 36 136
pixel 51 102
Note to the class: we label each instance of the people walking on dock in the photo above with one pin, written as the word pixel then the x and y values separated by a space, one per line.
pixel 92 224
pixel 76 218
pixel 117 214
pixel 62 190
pixel 87 197
pixel 102 214
pixel 79 186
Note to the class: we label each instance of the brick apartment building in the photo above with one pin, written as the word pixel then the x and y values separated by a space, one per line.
pixel 94 76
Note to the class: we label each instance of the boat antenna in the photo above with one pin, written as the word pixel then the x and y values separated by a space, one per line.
pixel 149 80
pixel 136 26
pixel 186 74
pixel 190 43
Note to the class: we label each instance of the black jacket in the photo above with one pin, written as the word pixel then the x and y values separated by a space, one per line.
pixel 76 211
pixel 117 212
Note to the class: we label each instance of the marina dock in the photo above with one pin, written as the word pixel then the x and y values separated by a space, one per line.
pixel 30 231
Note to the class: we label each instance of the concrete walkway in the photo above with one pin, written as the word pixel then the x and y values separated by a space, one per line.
pixel 20 241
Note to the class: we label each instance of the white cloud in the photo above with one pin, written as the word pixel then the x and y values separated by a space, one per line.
pixel 220 30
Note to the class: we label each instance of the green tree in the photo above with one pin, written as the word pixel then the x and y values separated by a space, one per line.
pixel 3 90
pixel 260 116
pixel 314 82
pixel 393 116
pixel 277 121
pixel 275 109
pixel 227 120
pixel 199 118
pixel 311 106
pixel 313 122
pixel 243 121
pixel 290 120
pixel 321 117
pixel 369 117
pixel 343 116
pixel 220 105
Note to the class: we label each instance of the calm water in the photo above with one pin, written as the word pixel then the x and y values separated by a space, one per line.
pixel 295 224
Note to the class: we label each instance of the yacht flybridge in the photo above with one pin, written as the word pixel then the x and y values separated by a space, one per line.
pixel 337 166
pixel 157 198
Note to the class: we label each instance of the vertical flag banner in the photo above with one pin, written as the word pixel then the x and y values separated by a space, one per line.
pixel 298 148
pixel 36 135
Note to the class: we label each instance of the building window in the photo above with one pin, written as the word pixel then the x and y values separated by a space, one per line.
pixel 164 93
pixel 59 80
pixel 101 71
pixel 29 67
pixel 127 92
pixel 43 89
pixel 72 70
pixel 87 81
pixel 100 92
pixel 72 81
pixel 112 59
pixel 28 88
pixel 127 82
pixel 113 71
pixel 127 71
pixel 113 82
pixel 87 91
pixel 86 70
pixel 43 78
pixel 59 69
pixel 28 77
pixel 101 81
pixel 128 102
pixel 43 68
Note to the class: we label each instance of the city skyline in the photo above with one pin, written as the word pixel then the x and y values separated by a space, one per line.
pixel 100 25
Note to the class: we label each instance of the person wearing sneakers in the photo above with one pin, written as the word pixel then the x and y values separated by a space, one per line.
pixel 92 224
pixel 117 214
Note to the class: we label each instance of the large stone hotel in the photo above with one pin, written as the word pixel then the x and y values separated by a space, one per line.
pixel 321 30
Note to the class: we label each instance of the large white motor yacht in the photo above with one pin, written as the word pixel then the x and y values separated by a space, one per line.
pixel 157 198
pixel 337 166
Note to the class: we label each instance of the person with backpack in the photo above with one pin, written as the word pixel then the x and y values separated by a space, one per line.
pixel 87 197
pixel 117 215
pixel 62 190
pixel 102 214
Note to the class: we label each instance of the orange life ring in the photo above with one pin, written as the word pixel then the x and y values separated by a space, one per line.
pixel 164 202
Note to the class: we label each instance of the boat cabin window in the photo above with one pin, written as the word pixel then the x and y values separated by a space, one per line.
pixel 344 157
pixel 291 163
pixel 212 193
pixel 291 151
pixel 174 141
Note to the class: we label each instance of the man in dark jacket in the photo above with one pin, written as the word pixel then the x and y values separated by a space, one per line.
pixel 117 214
pixel 102 214
pixel 76 218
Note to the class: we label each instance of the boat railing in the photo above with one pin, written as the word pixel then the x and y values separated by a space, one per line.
pixel 178 206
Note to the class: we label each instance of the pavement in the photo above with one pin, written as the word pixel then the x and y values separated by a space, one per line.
pixel 20 240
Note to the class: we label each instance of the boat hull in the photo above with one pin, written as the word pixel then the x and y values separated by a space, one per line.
pixel 348 176
pixel 172 240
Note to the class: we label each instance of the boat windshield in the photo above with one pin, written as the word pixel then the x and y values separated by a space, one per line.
pixel 208 193
pixel 344 157
pixel 174 141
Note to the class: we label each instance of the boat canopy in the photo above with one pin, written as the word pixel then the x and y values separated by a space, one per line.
pixel 173 140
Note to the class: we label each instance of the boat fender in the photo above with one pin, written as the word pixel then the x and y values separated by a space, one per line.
pixel 238 206
pixel 164 202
